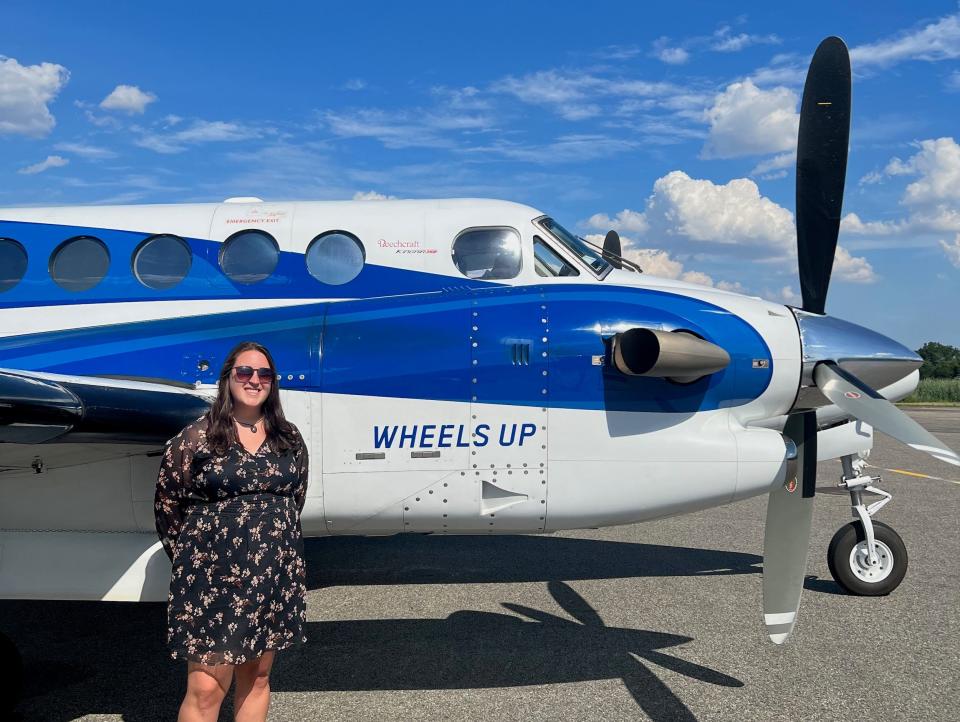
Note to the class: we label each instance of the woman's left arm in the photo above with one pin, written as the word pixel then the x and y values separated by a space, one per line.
pixel 300 494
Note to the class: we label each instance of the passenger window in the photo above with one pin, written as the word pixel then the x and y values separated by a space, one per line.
pixel 548 263
pixel 162 261
pixel 13 263
pixel 335 257
pixel 80 263
pixel 488 253
pixel 249 256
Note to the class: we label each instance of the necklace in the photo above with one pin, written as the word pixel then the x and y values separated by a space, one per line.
pixel 252 427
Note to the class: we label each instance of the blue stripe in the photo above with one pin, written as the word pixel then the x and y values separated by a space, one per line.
pixel 420 346
pixel 204 281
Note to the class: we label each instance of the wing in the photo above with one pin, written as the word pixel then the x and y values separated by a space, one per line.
pixel 38 407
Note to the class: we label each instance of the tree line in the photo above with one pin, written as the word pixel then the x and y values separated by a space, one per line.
pixel 940 361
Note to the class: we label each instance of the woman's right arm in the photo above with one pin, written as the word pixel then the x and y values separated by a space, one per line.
pixel 169 500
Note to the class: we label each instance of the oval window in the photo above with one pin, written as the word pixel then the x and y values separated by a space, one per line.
pixel 488 253
pixel 335 257
pixel 80 263
pixel 249 256
pixel 162 261
pixel 13 263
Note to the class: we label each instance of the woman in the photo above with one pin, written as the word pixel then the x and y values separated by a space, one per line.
pixel 229 494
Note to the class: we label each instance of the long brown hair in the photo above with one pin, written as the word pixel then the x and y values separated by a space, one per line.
pixel 221 432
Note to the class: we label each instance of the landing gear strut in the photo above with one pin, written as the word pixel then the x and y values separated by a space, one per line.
pixel 866 558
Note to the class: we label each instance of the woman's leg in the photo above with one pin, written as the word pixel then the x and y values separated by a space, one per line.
pixel 207 685
pixel 251 697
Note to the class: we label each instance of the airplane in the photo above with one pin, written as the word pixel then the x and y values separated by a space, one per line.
pixel 460 366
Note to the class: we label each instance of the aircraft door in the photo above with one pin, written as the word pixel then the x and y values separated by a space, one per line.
pixel 509 334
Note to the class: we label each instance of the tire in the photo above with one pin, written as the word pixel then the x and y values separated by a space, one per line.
pixel 11 675
pixel 855 577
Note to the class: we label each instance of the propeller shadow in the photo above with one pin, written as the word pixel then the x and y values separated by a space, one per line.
pixel 111 658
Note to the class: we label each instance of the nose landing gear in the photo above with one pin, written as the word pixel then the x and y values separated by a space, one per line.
pixel 865 557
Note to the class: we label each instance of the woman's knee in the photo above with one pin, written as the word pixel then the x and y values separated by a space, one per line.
pixel 207 689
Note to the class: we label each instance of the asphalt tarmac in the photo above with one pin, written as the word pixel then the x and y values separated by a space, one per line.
pixel 654 621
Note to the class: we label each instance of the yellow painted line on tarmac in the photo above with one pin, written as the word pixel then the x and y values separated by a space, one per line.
pixel 911 473
pixel 917 474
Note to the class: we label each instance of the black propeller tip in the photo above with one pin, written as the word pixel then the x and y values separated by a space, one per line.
pixel 822 146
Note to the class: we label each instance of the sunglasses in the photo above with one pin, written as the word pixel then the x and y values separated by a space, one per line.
pixel 245 373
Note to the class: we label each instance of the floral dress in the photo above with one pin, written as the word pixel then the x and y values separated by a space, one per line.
pixel 231 526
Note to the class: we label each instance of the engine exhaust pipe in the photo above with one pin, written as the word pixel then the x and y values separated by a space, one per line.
pixel 679 355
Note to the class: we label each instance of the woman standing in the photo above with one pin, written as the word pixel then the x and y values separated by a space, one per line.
pixel 229 494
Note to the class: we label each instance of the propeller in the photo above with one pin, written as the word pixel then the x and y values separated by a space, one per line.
pixel 821 169
pixel 611 249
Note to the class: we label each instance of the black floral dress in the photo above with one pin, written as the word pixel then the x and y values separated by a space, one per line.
pixel 231 526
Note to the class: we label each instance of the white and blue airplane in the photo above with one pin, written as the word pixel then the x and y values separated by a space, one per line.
pixel 457 366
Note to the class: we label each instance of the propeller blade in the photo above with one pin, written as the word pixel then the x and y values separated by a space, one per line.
pixel 611 249
pixel 860 401
pixel 786 537
pixel 822 168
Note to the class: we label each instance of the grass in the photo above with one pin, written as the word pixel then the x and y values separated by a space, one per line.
pixel 935 391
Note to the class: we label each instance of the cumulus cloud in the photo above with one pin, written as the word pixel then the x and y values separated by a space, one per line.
pixel 937 164
pixel 936 41
pixel 732 214
pixel 51 161
pixel 657 262
pixel 25 92
pixel 128 99
pixel 671 55
pixel 690 215
pixel 745 120
pixel 952 250
pixel 372 196
pixel 625 220
pixel 852 269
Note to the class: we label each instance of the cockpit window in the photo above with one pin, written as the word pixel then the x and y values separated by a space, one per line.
pixel 548 262
pixel 488 253
pixel 591 256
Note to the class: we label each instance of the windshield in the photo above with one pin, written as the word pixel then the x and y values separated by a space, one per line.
pixel 586 253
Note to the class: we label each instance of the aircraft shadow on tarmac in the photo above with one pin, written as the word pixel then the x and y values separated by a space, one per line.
pixel 110 658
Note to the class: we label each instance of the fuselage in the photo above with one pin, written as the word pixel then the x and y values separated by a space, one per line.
pixel 442 389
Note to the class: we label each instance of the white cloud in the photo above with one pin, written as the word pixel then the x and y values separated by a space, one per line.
pixel 625 220
pixel 938 165
pixel 852 269
pixel 657 262
pixel 404 129
pixel 52 161
pixel 200 131
pixel 952 82
pixel 952 250
pixel 372 196
pixel 565 149
pixel 671 55
pixel 745 120
pixel 25 92
pixel 937 41
pixel 734 213
pixel 355 84
pixel 768 168
pixel 788 296
pixel 735 43
pixel 90 152
pixel 128 99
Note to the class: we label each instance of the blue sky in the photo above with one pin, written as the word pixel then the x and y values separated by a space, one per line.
pixel 673 123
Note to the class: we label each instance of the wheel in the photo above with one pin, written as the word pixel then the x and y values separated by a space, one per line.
pixel 847 558
pixel 11 675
